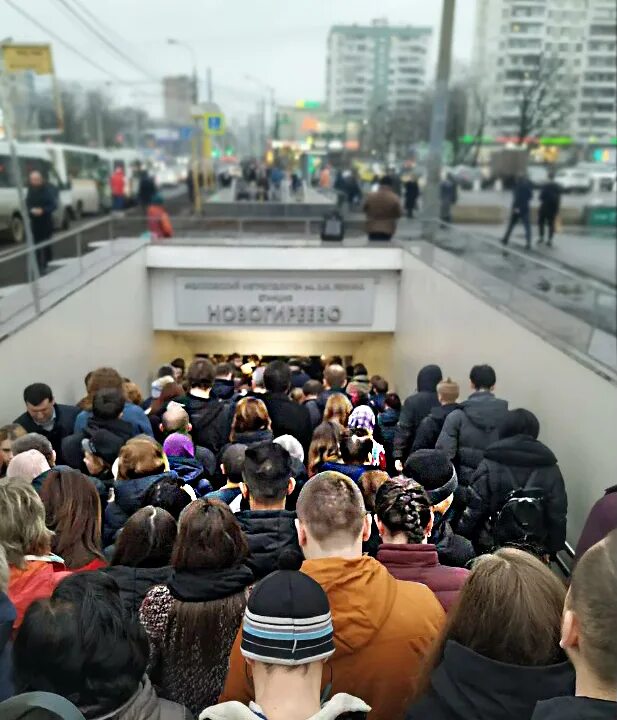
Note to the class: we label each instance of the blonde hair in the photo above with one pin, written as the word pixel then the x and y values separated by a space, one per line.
pixel 140 456
pixel 132 392
pixel 338 408
pixel 251 414
pixel 22 530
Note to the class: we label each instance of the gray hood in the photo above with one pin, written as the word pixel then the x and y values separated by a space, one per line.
pixel 484 410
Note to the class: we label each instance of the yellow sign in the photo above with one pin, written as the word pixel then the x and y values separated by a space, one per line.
pixel 34 58
pixel 214 124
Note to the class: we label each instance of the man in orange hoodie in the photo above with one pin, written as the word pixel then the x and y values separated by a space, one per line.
pixel 383 627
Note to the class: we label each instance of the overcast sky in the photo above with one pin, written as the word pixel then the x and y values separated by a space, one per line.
pixel 280 42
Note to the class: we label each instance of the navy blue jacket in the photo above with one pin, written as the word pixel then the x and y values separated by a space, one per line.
pixel 523 192
pixel 7 618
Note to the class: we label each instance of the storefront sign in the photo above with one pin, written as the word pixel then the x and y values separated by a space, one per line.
pixel 275 301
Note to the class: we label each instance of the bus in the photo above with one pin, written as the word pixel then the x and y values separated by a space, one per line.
pixel 31 157
pixel 87 170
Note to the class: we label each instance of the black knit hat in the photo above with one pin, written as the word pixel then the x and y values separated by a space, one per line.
pixel 287 621
pixel 103 444
pixel 432 470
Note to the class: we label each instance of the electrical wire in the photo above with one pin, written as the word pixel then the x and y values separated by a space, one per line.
pixel 58 39
pixel 114 48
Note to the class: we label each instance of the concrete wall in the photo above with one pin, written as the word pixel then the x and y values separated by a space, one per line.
pixel 107 322
pixel 440 322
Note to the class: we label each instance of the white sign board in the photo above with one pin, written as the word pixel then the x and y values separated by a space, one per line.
pixel 275 301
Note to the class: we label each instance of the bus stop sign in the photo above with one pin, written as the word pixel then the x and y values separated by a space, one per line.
pixel 214 124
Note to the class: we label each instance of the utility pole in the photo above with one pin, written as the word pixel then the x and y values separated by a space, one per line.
pixel 7 111
pixel 438 123
pixel 210 93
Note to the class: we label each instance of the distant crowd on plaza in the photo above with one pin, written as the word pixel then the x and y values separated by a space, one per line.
pixel 289 540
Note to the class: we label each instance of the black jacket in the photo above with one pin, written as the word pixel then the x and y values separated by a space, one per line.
pixel 453 550
pixel 508 465
pixel 432 425
pixel 63 426
pixel 268 533
pixel 7 618
pixel 314 411
pixel 575 708
pixel 550 197
pixel 211 421
pixel 469 686
pixel 468 431
pixel 71 445
pixel 44 197
pixel 289 418
pixel 299 378
pixel 223 389
pixel 134 583
pixel 415 409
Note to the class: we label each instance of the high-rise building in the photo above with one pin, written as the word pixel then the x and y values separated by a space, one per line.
pixel 178 99
pixel 569 44
pixel 377 65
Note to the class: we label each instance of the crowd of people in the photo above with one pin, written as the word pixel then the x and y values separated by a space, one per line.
pixel 290 541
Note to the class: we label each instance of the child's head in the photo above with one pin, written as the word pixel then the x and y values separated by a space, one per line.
pixel 179 445
pixel 393 401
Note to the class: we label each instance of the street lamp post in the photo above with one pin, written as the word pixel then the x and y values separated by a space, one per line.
pixel 270 90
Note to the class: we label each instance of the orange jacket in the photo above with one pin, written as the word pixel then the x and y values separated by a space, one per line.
pixel 382 630
pixel 159 223
pixel 37 581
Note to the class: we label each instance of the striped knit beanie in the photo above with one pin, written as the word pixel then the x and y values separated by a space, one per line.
pixel 287 621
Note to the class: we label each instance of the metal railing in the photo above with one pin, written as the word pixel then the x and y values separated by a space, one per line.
pixel 578 313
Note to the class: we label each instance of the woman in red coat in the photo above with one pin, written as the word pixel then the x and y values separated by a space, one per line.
pixel 34 571
pixel 159 223
pixel 405 519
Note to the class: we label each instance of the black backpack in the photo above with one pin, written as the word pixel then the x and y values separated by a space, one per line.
pixel 522 517
pixel 333 227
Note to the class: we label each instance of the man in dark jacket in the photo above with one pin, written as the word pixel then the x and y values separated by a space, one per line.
pixel 412 193
pixel 414 410
pixel 517 460
pixel 147 189
pixel 41 201
pixel 429 429
pixel 288 417
pixel 224 386
pixel 299 376
pixel 210 418
pixel 335 381
pixel 550 199
pixel 47 417
pixel 311 390
pixel 107 407
pixel 521 199
pixel 268 527
pixel 468 431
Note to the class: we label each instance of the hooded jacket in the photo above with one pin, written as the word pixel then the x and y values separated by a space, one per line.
pixel 211 421
pixel 131 413
pixel 134 584
pixel 223 389
pixel 36 581
pixel 289 418
pixel 600 521
pixel 340 705
pixel 469 686
pixel 575 708
pixel 8 614
pixel 415 409
pixel 268 533
pixel 71 445
pixel 63 426
pixel 420 563
pixel 509 465
pixel 469 430
pixel 432 425
pixel 128 498
pixel 382 630
pixel 145 705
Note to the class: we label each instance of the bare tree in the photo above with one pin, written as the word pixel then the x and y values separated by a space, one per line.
pixel 544 97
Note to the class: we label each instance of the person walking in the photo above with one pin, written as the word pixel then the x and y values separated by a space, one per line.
pixel 159 223
pixel 382 209
pixel 521 199
pixel 41 202
pixel 147 189
pixel 412 193
pixel 550 200
pixel 448 196
pixel 117 182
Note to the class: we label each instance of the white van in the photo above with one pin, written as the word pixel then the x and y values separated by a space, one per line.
pixel 128 160
pixel 87 170
pixel 31 158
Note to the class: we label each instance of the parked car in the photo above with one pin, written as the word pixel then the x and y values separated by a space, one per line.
pixel 466 176
pixel 574 180
pixel 603 175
